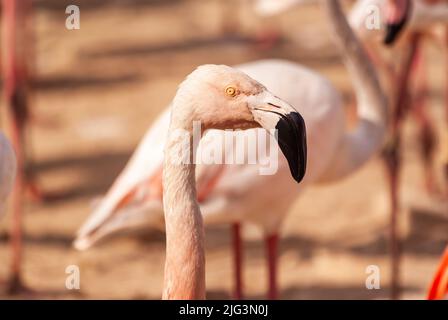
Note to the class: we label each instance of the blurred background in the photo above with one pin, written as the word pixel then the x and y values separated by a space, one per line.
pixel 95 92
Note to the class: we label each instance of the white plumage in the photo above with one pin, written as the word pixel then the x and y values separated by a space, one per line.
pixel 241 193
pixel 238 193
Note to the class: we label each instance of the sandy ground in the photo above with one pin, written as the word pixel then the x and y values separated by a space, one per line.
pixel 100 87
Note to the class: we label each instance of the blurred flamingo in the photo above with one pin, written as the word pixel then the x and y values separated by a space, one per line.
pixel 15 75
pixel 238 193
pixel 419 17
pixel 17 44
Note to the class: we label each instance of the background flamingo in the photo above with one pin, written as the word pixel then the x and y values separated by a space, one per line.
pixel 333 154
pixel 420 20
pixel 16 88
pixel 416 19
pixel 419 17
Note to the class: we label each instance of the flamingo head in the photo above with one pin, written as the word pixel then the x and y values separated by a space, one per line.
pixel 221 97
pixel 397 14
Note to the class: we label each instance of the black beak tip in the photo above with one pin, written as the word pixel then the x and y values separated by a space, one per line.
pixel 292 141
pixel 394 28
pixel 392 33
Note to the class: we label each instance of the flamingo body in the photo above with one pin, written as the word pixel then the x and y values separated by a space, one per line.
pixel 334 153
pixel 240 193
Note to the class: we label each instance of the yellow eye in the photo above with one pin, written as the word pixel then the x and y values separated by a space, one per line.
pixel 231 91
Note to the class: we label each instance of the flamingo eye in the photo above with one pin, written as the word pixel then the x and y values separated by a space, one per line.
pixel 231 91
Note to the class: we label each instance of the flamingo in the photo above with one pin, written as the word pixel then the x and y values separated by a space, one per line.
pixel 185 256
pixel 18 52
pixel 135 197
pixel 7 171
pixel 419 17
pixel 134 200
pixel 16 84
pixel 220 97
pixel 439 286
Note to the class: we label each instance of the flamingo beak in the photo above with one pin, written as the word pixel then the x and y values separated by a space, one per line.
pixel 397 15
pixel 273 113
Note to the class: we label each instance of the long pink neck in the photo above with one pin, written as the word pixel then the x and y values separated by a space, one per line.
pixel 185 256
pixel 359 145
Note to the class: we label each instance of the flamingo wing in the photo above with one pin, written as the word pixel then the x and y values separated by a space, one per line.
pixel 135 199
pixel 141 171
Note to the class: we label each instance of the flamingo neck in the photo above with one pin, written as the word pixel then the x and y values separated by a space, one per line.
pixel 185 256
pixel 367 138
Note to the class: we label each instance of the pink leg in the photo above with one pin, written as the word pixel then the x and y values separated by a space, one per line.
pixel 19 73
pixel 392 160
pixel 15 284
pixel 427 132
pixel 391 156
pixel 395 248
pixel 237 252
pixel 271 248
pixel 15 94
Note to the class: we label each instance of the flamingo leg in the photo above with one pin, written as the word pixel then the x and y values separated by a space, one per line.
pixel 392 160
pixel 391 156
pixel 237 258
pixel 15 281
pixel 271 250
pixel 427 131
pixel 17 42
pixel 15 94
